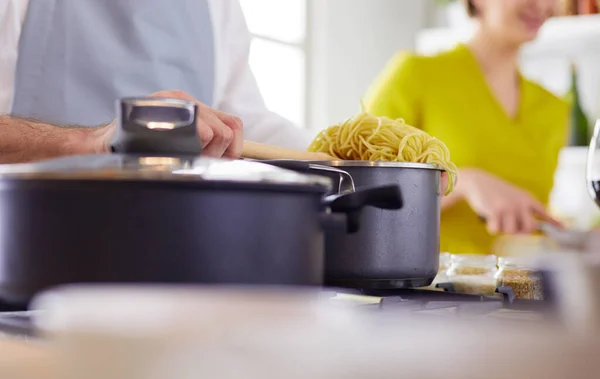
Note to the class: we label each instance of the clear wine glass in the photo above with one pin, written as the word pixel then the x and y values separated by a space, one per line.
pixel 593 165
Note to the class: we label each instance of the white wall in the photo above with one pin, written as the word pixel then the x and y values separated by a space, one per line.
pixel 349 43
pixel 546 61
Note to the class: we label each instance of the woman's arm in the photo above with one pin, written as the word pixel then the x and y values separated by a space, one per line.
pixel 23 140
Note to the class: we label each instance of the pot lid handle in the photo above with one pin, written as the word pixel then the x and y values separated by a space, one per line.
pixel 156 126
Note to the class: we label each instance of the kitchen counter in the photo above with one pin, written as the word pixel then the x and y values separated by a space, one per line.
pixel 457 307
pixel 396 334
pixel 26 360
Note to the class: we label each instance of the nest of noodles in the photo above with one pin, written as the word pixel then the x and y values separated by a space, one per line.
pixel 366 137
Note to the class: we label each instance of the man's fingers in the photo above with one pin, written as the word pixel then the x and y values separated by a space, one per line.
pixel 205 132
pixel 234 150
pixel 220 133
pixel 228 119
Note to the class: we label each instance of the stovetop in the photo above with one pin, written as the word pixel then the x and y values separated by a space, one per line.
pixel 415 302
pixel 448 304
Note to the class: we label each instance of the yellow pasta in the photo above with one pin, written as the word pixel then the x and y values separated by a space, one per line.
pixel 369 138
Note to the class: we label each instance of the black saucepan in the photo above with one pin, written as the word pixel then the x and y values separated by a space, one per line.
pixel 394 248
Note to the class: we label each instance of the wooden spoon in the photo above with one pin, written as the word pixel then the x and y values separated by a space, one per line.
pixel 259 151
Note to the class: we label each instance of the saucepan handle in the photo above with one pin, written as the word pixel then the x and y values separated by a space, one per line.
pixel 345 182
pixel 384 197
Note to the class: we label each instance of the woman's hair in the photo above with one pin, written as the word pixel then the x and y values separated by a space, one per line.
pixel 471 9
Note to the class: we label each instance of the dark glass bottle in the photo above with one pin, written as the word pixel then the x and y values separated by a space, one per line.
pixel 579 128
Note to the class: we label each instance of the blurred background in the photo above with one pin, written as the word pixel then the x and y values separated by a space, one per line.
pixel 314 60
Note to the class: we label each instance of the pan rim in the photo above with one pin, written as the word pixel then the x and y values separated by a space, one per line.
pixel 410 165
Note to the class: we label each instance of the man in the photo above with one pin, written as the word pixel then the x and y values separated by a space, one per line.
pixel 65 62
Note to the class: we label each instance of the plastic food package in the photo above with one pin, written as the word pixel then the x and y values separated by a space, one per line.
pixel 520 275
pixel 473 274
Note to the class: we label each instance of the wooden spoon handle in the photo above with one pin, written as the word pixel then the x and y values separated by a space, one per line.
pixel 253 150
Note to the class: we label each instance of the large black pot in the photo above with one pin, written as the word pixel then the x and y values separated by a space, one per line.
pixel 154 218
pixel 393 248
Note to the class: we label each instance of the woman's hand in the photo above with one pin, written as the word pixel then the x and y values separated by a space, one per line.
pixel 444 184
pixel 507 209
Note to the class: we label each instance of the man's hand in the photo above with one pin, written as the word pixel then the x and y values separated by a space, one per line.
pixel 25 140
pixel 220 133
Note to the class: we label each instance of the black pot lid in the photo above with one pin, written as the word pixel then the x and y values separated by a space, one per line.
pixel 152 168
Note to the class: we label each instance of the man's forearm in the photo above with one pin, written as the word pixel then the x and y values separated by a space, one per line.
pixel 23 140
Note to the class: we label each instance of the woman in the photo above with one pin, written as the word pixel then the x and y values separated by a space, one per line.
pixel 504 131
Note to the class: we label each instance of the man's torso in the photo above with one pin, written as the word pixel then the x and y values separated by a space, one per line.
pixel 69 55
